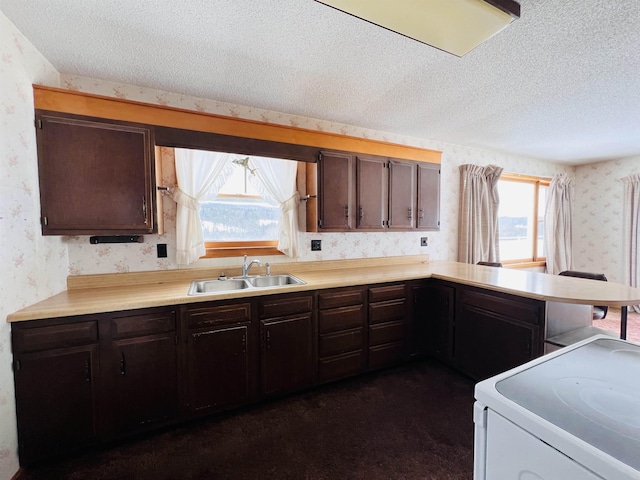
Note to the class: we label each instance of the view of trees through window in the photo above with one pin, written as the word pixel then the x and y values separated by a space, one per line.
pixel 238 212
pixel 521 219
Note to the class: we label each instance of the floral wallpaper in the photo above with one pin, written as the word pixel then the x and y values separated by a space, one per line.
pixel 597 227
pixel 88 259
pixel 33 267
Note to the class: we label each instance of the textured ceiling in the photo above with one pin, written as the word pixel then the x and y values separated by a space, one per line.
pixel 561 83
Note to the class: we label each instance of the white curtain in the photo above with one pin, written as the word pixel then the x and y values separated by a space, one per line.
pixel 196 171
pixel 557 225
pixel 631 231
pixel 478 216
pixel 277 178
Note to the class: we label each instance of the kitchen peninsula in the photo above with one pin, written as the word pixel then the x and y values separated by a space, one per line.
pixel 132 352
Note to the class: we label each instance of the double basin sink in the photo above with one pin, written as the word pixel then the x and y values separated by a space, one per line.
pixel 223 284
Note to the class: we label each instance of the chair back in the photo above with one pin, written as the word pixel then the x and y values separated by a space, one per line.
pixel 600 311
pixel 490 264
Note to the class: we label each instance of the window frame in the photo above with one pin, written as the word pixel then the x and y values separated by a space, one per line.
pixel 537 182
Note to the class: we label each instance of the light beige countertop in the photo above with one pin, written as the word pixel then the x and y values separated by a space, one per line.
pixel 88 294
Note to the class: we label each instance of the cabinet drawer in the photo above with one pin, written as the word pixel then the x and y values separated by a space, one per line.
pixel 340 342
pixel 55 336
pixel 386 332
pixel 340 366
pixel 340 318
pixel 387 311
pixel 219 314
pixel 143 324
pixel 522 309
pixel 340 297
pixel 388 292
pixel 283 306
pixel 386 354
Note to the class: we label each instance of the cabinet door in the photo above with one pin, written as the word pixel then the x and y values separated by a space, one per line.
pixel 487 343
pixel 287 354
pixel 95 176
pixel 402 195
pixel 428 197
pixel 143 379
pixel 371 192
pixel 432 320
pixel 218 367
pixel 336 191
pixel 56 392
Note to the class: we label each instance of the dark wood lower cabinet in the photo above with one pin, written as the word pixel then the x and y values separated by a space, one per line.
pixel 341 333
pixel 143 382
pixel 218 367
pixel 287 354
pixel 84 380
pixel 495 332
pixel 220 355
pixel 432 317
pixel 56 397
pixel 388 317
pixel 139 370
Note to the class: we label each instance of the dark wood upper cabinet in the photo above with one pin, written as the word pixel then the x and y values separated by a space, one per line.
pixel 390 194
pixel 402 195
pixel 96 176
pixel 371 192
pixel 428 215
pixel 336 191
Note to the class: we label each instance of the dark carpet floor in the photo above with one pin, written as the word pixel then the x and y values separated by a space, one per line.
pixel 409 422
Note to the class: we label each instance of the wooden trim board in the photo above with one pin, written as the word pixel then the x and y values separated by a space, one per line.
pixel 79 103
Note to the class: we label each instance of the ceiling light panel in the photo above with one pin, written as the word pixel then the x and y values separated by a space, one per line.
pixel 455 26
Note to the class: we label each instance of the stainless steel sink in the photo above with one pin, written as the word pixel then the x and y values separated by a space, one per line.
pixel 204 287
pixel 274 280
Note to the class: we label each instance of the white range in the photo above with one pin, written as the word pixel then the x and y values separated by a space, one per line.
pixel 571 415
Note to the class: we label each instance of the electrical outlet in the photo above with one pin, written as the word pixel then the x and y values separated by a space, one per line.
pixel 424 241
pixel 162 250
pixel 316 245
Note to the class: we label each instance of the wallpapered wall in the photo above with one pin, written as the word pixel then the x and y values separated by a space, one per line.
pixel 597 234
pixel 85 258
pixel 33 267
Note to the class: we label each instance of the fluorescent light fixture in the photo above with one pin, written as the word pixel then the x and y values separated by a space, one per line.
pixel 455 26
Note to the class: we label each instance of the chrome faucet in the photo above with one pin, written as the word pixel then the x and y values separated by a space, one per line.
pixel 246 266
